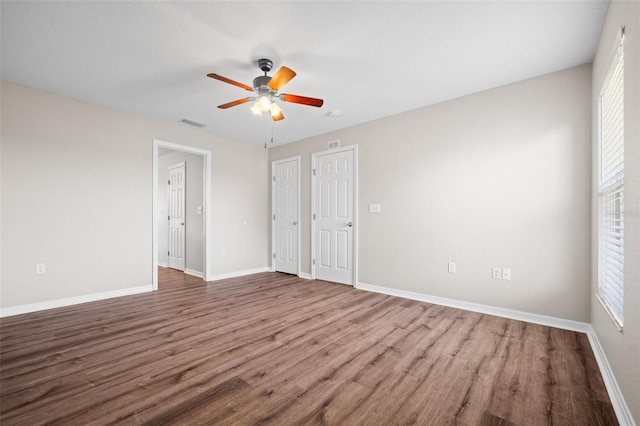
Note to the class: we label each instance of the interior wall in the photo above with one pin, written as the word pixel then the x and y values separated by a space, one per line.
pixel 194 244
pixel 621 348
pixel 77 196
pixel 498 178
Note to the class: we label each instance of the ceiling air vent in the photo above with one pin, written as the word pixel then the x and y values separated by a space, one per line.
pixel 192 123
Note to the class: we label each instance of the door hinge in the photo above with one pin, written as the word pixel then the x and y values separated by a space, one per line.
pixel 313 171
pixel 168 253
pixel 169 182
pixel 274 217
pixel 168 217
pixel 314 261
pixel 274 255
pixel 314 216
pixel 274 178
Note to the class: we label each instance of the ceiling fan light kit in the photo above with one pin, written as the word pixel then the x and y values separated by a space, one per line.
pixel 266 90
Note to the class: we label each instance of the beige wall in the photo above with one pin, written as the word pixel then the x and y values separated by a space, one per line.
pixel 77 190
pixel 622 348
pixel 498 178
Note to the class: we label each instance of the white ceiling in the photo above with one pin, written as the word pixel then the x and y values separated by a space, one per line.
pixel 368 59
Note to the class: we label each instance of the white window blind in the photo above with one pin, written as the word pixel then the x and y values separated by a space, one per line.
pixel 611 189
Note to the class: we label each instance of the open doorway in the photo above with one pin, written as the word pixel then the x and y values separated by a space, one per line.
pixel 180 217
pixel 196 223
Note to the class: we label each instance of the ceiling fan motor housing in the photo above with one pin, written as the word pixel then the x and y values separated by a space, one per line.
pixel 261 81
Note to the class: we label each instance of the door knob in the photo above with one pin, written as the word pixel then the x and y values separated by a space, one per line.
pixel 294 222
pixel 350 224
pixel 182 224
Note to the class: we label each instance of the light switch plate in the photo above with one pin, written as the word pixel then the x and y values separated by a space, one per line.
pixel 374 208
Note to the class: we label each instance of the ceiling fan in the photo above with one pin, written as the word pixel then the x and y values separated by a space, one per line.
pixel 266 91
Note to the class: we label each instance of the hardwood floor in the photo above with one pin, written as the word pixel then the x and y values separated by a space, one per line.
pixel 274 349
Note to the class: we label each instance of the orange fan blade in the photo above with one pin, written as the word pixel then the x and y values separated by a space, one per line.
pixel 281 78
pixel 234 103
pixel 227 80
pixel 302 100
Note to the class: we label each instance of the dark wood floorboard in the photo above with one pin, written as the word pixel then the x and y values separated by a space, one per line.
pixel 274 349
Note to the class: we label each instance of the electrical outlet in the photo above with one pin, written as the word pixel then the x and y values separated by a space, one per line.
pixel 496 273
pixel 506 274
pixel 40 269
pixel 452 267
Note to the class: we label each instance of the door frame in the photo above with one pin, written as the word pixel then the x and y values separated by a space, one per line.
pixel 206 189
pixel 354 261
pixel 273 210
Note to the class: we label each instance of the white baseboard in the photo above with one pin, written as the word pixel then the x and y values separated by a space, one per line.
pixel 238 273
pixel 566 324
pixel 615 394
pixel 163 264
pixel 194 273
pixel 68 301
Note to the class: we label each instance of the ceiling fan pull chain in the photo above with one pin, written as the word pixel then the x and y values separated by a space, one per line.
pixel 265 138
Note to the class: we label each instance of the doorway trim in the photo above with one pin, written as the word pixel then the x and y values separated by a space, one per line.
pixel 273 210
pixel 206 189
pixel 353 148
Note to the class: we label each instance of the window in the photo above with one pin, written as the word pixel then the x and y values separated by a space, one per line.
pixel 611 189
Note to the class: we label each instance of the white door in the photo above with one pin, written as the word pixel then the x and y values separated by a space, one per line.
pixel 334 217
pixel 285 215
pixel 176 208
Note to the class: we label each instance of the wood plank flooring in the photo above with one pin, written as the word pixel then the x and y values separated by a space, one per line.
pixel 274 349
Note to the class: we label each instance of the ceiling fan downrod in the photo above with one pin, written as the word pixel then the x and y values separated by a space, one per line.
pixel 262 81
